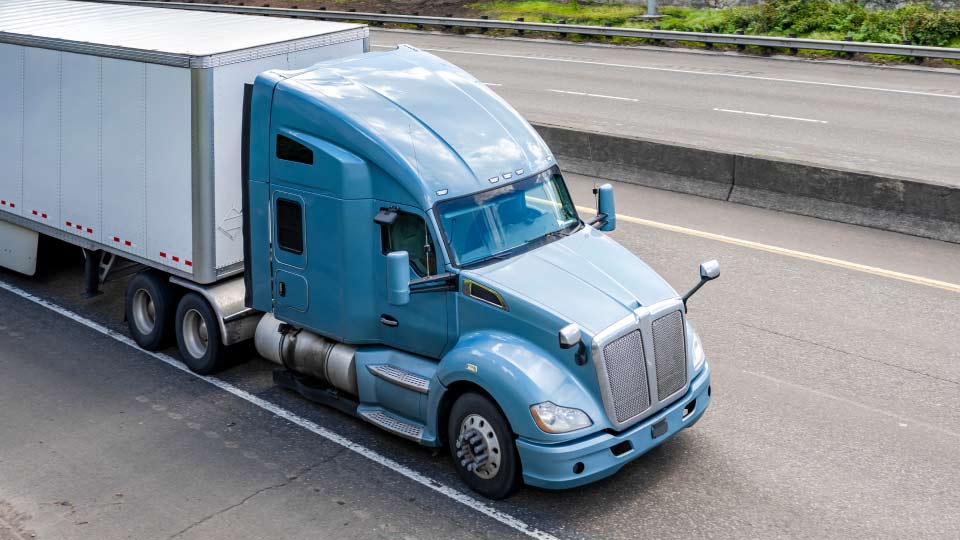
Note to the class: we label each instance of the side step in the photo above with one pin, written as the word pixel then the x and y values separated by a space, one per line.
pixel 397 426
pixel 401 377
pixel 315 391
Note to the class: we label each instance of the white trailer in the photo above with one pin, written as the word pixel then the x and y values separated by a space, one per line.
pixel 120 132
pixel 107 132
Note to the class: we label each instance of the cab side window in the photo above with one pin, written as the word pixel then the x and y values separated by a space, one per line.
pixel 290 226
pixel 409 233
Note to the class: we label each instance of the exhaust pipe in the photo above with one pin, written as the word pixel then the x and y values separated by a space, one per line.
pixel 304 352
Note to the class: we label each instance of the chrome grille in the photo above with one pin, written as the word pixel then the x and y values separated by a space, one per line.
pixel 670 354
pixel 627 375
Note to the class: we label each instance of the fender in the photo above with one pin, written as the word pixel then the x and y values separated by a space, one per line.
pixel 518 374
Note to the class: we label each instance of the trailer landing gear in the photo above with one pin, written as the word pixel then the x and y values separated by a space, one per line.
pixel 96 266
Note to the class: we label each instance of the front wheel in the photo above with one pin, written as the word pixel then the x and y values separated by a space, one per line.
pixel 482 445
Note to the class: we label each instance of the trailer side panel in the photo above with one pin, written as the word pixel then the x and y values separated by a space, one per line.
pixel 80 150
pixel 168 170
pixel 11 129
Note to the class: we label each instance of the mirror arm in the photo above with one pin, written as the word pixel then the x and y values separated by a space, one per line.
pixel 693 290
pixel 597 221
pixel 437 283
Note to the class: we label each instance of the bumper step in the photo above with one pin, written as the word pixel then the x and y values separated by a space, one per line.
pixel 397 426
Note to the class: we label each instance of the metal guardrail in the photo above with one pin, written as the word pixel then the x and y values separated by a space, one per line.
pixel 769 42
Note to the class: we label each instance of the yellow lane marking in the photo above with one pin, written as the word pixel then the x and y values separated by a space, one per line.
pixel 909 278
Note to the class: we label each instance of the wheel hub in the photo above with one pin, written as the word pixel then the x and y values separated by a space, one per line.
pixel 144 311
pixel 195 334
pixel 478 448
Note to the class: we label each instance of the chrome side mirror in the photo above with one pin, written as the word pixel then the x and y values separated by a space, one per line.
pixel 709 271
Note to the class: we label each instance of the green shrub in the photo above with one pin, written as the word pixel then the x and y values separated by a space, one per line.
pixel 916 23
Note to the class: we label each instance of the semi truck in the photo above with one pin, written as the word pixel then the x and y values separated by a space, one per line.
pixel 388 231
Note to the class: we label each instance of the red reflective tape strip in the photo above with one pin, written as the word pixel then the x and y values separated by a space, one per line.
pixel 164 255
pixel 115 239
pixel 12 205
pixel 176 259
pixel 69 224
pixel 79 227
pixel 188 263
pixel 44 216
pixel 89 230
pixel 35 213
pixel 3 202
pixel 127 243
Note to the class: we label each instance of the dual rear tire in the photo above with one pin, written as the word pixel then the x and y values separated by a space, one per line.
pixel 158 312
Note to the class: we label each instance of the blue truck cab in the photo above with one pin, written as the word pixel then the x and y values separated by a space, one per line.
pixel 421 265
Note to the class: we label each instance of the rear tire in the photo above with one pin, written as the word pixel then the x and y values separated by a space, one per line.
pixel 150 307
pixel 198 336
pixel 499 475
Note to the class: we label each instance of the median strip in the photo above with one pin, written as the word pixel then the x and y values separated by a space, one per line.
pixel 910 206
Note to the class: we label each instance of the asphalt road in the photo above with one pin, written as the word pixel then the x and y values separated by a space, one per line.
pixel 901 121
pixel 836 412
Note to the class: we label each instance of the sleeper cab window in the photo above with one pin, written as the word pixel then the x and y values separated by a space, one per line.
pixel 290 150
pixel 290 226
pixel 409 233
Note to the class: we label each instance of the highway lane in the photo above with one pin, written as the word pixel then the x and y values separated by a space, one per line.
pixel 836 412
pixel 899 121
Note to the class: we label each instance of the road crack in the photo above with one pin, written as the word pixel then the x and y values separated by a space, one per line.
pixel 855 355
pixel 290 479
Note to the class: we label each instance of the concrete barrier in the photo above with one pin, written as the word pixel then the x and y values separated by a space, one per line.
pixel 898 204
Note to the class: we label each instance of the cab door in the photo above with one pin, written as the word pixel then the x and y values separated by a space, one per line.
pixel 421 326
pixel 290 288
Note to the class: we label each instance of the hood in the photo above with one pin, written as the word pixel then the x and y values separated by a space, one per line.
pixel 586 278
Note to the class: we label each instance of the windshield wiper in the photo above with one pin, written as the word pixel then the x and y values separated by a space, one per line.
pixel 496 256
pixel 559 234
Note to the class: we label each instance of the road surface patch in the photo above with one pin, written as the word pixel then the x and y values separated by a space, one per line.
pixel 694 72
pixel 830 261
pixel 443 489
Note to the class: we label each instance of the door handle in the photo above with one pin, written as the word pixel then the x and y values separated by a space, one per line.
pixel 283 289
pixel 387 320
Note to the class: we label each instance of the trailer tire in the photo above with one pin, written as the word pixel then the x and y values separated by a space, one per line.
pixel 150 307
pixel 198 336
pixel 500 475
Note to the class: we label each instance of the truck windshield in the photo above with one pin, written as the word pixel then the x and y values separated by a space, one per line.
pixel 508 219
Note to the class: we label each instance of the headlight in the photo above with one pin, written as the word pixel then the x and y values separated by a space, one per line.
pixel 553 418
pixel 698 356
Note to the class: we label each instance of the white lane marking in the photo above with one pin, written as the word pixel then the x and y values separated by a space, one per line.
pixel 765 115
pixel 492 84
pixel 830 261
pixel 692 72
pixel 443 489
pixel 853 403
pixel 591 95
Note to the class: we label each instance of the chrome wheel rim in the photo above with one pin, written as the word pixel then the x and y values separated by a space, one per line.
pixel 195 335
pixel 144 312
pixel 479 447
